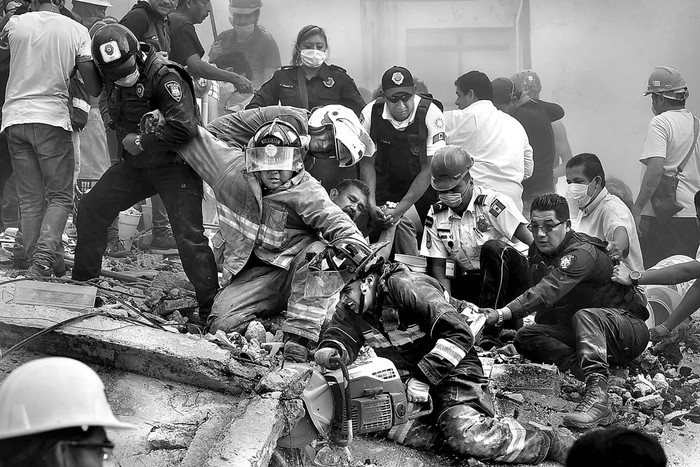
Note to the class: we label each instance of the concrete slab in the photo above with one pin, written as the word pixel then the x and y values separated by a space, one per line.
pixel 104 340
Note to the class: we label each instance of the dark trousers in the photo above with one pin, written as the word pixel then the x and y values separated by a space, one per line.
pixel 594 338
pixel 679 236
pixel 122 186
pixel 503 276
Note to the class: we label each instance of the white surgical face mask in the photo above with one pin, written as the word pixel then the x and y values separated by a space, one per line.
pixel 129 80
pixel 451 200
pixel 578 193
pixel 313 58
pixel 244 32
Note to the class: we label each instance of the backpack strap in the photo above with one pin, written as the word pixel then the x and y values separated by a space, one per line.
pixel 421 112
pixel 696 129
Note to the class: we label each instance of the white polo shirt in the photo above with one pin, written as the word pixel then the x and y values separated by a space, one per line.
pixel 489 216
pixel 498 144
pixel 434 121
pixel 670 135
pixel 603 216
pixel 44 48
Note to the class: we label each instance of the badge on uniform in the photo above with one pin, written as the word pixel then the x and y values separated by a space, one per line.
pixel 566 261
pixel 496 208
pixel 140 90
pixel 439 137
pixel 329 82
pixel 174 89
pixel 482 224
pixel 439 123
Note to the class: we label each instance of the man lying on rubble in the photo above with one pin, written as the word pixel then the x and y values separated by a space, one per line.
pixel 407 318
pixel 584 320
pixel 271 213
pixel 675 269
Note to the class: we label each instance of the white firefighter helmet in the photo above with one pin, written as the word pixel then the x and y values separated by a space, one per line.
pixel 350 137
pixel 51 394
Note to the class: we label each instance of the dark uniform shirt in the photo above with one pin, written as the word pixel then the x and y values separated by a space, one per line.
pixel 161 86
pixel 260 53
pixel 413 325
pixel 332 85
pixel 576 276
pixel 184 40
pixel 148 26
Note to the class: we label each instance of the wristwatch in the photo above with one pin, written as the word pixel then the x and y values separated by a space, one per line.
pixel 137 141
pixel 634 277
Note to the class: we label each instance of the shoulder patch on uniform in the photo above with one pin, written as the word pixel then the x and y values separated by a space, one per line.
pixel 174 89
pixel 439 137
pixel 329 82
pixel 567 261
pixel 288 67
pixel 439 123
pixel 338 68
pixel 480 200
pixel 496 208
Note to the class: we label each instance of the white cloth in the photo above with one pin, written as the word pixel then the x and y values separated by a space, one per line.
pixel 434 121
pixel 498 144
pixel 44 48
pixel 489 216
pixel 603 216
pixel 669 136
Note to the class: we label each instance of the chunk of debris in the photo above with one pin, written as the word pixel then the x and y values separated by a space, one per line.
pixel 290 381
pixel 172 436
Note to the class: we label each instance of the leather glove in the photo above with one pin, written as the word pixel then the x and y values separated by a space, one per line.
pixel 324 355
pixel 417 390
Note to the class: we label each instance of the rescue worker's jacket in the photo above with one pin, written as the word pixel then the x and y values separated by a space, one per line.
pixel 162 85
pixel 148 26
pixel 413 325
pixel 576 276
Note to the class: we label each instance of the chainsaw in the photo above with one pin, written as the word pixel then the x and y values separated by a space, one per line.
pixel 366 397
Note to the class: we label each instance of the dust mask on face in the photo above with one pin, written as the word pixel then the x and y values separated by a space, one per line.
pixel 312 58
pixel 578 193
pixel 451 200
pixel 129 80
pixel 244 32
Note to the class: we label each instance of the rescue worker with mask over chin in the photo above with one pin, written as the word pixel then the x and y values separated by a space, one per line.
pixel 407 318
pixel 137 82
pixel 472 228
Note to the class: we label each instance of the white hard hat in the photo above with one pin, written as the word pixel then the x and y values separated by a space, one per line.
pixel 351 139
pixel 51 394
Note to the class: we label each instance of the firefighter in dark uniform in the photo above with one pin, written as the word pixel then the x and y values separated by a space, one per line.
pixel 308 83
pixel 584 320
pixel 137 82
pixel 407 318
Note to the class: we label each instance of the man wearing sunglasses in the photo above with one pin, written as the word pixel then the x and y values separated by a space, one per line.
pixel 53 413
pixel 584 320
pixel 407 129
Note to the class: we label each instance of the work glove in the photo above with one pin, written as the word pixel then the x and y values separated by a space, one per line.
pixel 417 391
pixel 324 355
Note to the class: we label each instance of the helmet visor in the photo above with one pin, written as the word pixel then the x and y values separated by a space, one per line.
pixel 273 157
pixel 349 149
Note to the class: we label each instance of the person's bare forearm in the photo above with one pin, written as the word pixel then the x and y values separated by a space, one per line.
pixel 652 177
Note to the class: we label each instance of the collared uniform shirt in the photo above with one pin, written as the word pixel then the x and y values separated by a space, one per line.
pixel 434 122
pixel 498 144
pixel 489 216
pixel 669 136
pixel 603 216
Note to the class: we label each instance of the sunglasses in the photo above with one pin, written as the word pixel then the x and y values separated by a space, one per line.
pixel 546 228
pixel 403 97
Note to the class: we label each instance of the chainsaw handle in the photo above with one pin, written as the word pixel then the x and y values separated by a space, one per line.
pixel 416 410
pixel 338 361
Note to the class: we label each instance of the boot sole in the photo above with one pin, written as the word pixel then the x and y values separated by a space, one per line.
pixel 602 422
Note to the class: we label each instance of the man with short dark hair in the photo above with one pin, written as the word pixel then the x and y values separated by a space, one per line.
pixel 352 196
pixel 670 148
pixel 602 214
pixel 407 129
pixel 585 321
pixel 500 148
pixel 186 49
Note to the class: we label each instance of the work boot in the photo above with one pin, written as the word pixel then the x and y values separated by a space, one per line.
pixel 164 242
pixel 595 407
pixel 295 349
pixel 560 443
pixel 38 270
pixel 116 249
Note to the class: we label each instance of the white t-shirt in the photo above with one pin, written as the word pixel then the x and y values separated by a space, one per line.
pixel 498 144
pixel 603 216
pixel 434 121
pixel 44 48
pixel 670 136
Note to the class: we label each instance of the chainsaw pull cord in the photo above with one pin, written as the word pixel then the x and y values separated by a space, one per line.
pixel 348 405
